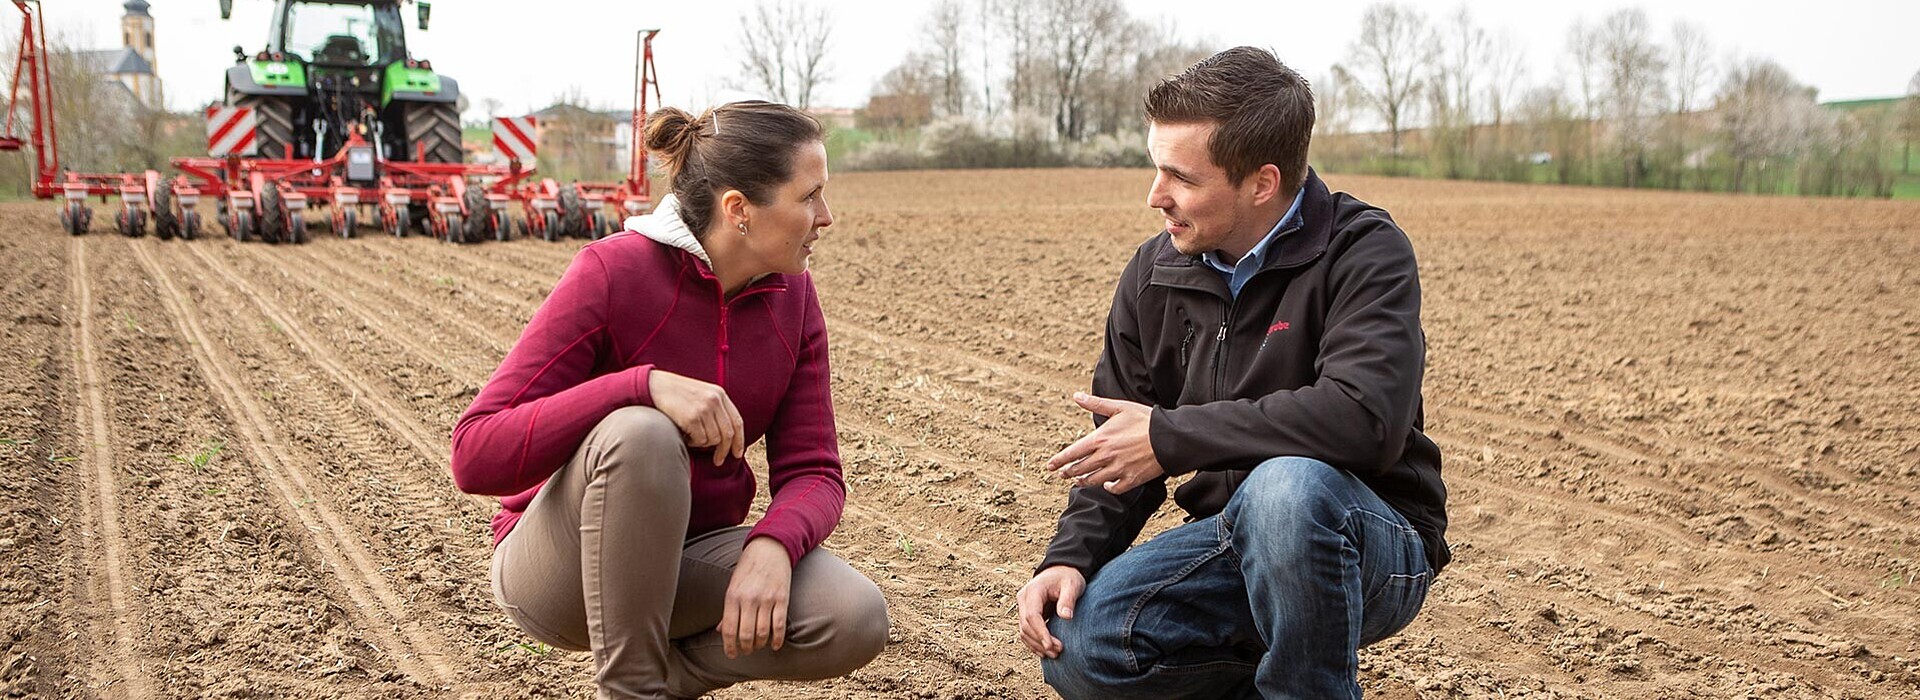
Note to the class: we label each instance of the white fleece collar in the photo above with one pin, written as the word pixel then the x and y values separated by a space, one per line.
pixel 666 226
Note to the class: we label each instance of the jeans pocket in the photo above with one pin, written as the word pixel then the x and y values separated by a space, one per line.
pixel 1394 606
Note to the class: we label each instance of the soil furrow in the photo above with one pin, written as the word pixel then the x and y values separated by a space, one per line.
pixel 383 612
pixel 119 662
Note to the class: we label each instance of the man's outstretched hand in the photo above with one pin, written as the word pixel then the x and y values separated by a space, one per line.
pixel 1117 454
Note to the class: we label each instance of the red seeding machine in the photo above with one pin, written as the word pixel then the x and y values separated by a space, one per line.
pixel 335 121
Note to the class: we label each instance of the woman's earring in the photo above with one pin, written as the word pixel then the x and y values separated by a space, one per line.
pixel 743 228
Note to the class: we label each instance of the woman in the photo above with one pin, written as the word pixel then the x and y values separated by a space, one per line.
pixel 616 431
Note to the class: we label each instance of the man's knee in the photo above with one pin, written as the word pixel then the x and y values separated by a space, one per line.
pixel 1291 484
pixel 1092 661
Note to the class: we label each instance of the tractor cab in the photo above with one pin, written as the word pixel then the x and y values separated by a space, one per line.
pixel 341 35
pixel 336 68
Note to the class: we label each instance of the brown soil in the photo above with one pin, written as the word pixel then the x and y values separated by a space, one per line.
pixel 1682 435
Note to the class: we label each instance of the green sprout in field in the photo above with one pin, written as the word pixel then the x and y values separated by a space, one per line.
pixel 200 460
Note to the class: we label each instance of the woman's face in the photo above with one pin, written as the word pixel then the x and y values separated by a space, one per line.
pixel 781 233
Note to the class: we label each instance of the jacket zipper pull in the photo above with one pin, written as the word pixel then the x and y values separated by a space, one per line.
pixel 1223 333
pixel 1185 343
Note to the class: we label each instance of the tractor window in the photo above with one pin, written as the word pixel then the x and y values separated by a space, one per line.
pixel 341 35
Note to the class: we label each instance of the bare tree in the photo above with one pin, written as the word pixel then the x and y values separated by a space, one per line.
pixel 1636 87
pixel 1506 79
pixel 1081 36
pixel 1910 122
pixel 984 12
pixel 1020 23
pixel 1692 65
pixel 783 49
pixel 1583 47
pixel 1764 114
pixel 1386 64
pixel 945 35
pixel 1459 52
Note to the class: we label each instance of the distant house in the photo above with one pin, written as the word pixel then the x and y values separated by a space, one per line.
pixel 585 143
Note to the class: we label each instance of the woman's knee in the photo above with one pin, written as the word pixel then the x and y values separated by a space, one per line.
pixel 847 627
pixel 639 434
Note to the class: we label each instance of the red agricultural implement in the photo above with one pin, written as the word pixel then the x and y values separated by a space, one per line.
pixel 269 195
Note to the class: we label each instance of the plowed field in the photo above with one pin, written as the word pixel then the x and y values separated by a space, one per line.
pixel 1682 435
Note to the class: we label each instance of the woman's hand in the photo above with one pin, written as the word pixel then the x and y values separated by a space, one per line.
pixel 701 411
pixel 756 612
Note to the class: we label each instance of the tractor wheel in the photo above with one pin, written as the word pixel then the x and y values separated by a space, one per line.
pixel 400 222
pixel 242 225
pixel 273 215
pixel 574 217
pixel 273 123
pixel 478 215
pixel 132 222
pixel 437 125
pixel 75 218
pixel 456 229
pixel 502 226
pixel 189 225
pixel 347 222
pixel 296 228
pixel 166 223
pixel 553 227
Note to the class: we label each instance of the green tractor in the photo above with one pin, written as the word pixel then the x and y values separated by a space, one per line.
pixel 334 67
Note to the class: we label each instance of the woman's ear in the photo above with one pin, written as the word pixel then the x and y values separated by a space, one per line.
pixel 733 206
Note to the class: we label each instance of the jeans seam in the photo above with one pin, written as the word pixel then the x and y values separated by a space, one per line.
pixel 1133 612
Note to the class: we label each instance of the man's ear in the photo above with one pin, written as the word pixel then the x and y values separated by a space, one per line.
pixel 1266 184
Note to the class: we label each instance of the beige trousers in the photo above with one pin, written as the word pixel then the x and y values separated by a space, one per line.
pixel 601 562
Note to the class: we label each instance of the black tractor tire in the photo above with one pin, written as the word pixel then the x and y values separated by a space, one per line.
pixel 189 225
pixel 575 220
pixel 166 223
pixel 296 228
pixel 478 215
pixel 553 227
pixel 273 215
pixel 437 125
pixel 272 123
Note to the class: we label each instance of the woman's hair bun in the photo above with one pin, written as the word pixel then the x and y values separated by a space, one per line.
pixel 670 134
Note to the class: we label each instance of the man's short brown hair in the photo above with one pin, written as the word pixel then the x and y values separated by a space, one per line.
pixel 1262 112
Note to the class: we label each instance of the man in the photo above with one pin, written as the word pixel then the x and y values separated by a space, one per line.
pixel 1268 343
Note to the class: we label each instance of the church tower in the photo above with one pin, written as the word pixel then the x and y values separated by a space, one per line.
pixel 136 33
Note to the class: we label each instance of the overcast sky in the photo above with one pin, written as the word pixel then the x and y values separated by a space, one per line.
pixel 526 53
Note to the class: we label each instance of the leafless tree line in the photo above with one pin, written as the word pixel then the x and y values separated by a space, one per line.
pixel 1007 83
pixel 1629 107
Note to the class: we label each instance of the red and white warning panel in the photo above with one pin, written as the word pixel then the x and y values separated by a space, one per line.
pixel 513 137
pixel 230 131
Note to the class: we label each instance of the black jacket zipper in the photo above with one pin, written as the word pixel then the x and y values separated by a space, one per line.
pixel 1220 352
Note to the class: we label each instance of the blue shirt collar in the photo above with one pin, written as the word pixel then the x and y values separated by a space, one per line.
pixel 1237 274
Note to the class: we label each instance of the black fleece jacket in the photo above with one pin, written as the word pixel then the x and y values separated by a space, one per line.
pixel 1320 356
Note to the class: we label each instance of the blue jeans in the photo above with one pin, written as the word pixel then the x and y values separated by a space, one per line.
pixel 1272 598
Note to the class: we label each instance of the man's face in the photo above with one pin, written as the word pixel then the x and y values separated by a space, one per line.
pixel 1203 208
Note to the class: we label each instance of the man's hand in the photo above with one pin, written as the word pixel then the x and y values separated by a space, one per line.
pixel 756 608
pixel 1060 585
pixel 701 411
pixel 1117 454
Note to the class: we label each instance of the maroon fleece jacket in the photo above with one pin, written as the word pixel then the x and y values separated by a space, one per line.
pixel 626 305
